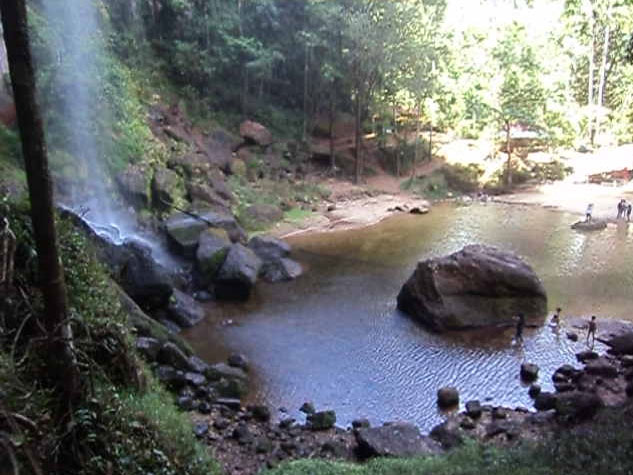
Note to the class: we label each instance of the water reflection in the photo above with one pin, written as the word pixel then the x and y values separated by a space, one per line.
pixel 334 336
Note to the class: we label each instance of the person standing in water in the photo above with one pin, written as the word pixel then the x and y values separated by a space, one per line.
pixel 555 321
pixel 518 337
pixel 589 212
pixel 591 330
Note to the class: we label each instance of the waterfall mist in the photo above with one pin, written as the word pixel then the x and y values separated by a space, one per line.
pixel 77 81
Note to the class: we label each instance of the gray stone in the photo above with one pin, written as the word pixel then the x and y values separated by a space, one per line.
pixel 586 355
pixel 167 187
pixel 269 248
pixel 307 408
pixel 593 225
pixel 197 365
pixel 201 429
pixel 601 367
pixel 183 232
pixel 238 274
pixel 361 423
pixel 237 360
pixel 475 287
pixel 263 215
pixel 218 371
pixel 148 347
pixel 213 246
pixel 260 413
pixel 231 403
pixel 169 376
pixel 195 379
pixel 184 310
pixel 394 440
pixel 134 183
pixel 545 401
pixel 186 403
pixel 621 344
pixel 255 133
pixel 282 270
pixel 534 390
pixel 231 388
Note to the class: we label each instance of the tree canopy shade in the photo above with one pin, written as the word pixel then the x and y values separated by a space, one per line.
pixel 55 324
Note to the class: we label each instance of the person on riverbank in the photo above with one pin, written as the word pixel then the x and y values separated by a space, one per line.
pixel 518 336
pixel 629 208
pixel 621 208
pixel 591 330
pixel 555 321
pixel 589 212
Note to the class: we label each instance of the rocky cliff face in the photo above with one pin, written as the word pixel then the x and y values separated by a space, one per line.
pixel 475 287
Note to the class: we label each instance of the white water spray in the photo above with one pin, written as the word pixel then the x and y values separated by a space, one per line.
pixel 77 44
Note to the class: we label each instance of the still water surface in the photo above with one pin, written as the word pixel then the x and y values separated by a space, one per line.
pixel 334 336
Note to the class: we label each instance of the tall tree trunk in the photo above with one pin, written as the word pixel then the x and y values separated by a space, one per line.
pixel 357 137
pixel 306 71
pixel 509 152
pixel 332 117
pixel 417 140
pixel 590 80
pixel 603 70
pixel 431 141
pixel 395 134
pixel 58 336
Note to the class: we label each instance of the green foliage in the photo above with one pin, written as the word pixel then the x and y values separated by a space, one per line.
pixel 463 178
pixel 432 186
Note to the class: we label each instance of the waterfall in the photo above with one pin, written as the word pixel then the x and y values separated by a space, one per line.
pixel 77 71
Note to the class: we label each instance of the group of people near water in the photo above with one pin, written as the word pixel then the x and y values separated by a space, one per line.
pixel 624 210
pixel 592 326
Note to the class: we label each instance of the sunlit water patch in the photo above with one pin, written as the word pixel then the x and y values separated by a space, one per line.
pixel 335 337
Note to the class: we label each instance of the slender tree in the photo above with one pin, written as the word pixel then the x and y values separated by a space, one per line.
pixel 55 325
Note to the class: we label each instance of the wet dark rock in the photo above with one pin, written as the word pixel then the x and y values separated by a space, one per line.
pixel 447 435
pixel 562 387
pixel 171 355
pixel 322 420
pixel 559 378
pixel 468 424
pixel 171 327
pixel 204 408
pixel 218 371
pixel 567 370
pixel 238 274
pixel 263 445
pixel 148 347
pixel 186 392
pixel 144 280
pixel 586 355
pixel 361 423
pixel 195 379
pixel 577 405
pixel 307 408
pixel 499 413
pixel 282 270
pixel 601 367
pixel 134 183
pixel 511 429
pixel 629 389
pixel 184 310
pixel 394 440
pixel 541 417
pixel 572 336
pixel 260 413
pixel 237 360
pixel 447 397
pixel 204 195
pixel 268 248
pixel 545 401
pixel 593 225
pixel 186 403
pixel 334 448
pixel 621 344
pixel 534 390
pixel 529 372
pixel 473 409
pixel 201 429
pixel 170 377
pixel 231 388
pixel 213 247
pixel 242 434
pixel 197 365
pixel 627 361
pixel 255 133
pixel 475 287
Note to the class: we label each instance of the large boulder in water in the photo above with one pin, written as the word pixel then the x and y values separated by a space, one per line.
pixel 593 225
pixel 238 274
pixel 213 248
pixel 475 287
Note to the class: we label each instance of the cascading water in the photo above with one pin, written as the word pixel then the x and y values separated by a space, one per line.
pixel 77 46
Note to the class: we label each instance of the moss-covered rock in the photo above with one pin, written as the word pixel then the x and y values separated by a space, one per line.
pixel 168 188
pixel 134 183
pixel 213 247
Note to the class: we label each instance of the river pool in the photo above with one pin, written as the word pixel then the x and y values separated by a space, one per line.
pixel 334 335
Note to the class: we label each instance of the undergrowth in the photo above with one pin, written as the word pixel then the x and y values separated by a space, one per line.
pixel 123 422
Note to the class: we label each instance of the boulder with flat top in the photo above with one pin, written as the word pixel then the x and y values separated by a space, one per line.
pixel 478 286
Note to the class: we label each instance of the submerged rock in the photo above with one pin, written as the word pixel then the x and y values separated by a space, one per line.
pixel 593 225
pixel 184 310
pixel 475 287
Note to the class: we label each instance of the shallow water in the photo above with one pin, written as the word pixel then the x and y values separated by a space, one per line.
pixel 334 336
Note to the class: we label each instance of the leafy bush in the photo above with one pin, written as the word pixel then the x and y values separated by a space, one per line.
pixel 463 178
